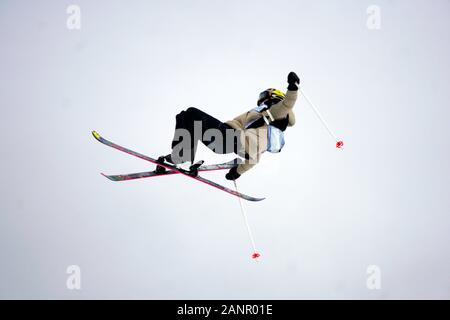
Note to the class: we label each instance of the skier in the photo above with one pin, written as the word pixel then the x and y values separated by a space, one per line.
pixel 248 135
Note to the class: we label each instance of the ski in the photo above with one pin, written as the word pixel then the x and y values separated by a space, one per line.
pixel 173 168
pixel 150 174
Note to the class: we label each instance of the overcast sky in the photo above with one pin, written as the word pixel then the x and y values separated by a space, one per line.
pixel 329 214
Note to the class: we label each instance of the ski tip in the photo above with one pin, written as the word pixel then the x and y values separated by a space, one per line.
pixel 106 176
pixel 256 199
pixel 96 135
pixel 249 198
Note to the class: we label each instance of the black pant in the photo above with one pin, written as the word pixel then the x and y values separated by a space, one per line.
pixel 186 120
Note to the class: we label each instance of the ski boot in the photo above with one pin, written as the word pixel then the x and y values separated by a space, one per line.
pixel 193 169
pixel 162 160
pixel 189 168
pixel 186 167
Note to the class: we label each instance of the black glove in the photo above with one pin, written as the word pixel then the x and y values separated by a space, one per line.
pixel 293 81
pixel 232 174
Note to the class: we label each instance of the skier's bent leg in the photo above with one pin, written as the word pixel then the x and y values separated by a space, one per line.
pixel 196 123
pixel 214 133
pixel 183 131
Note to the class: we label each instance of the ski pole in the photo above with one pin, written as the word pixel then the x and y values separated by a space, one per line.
pixel 339 143
pixel 255 254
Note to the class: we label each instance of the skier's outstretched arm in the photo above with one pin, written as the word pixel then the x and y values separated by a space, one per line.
pixel 284 108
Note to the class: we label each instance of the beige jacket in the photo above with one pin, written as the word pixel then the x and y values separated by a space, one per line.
pixel 254 141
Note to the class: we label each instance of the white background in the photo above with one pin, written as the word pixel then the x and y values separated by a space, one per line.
pixel 329 213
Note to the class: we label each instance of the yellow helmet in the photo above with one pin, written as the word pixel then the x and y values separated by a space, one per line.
pixel 270 97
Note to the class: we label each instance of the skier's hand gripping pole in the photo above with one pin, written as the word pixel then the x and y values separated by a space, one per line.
pixel 232 174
